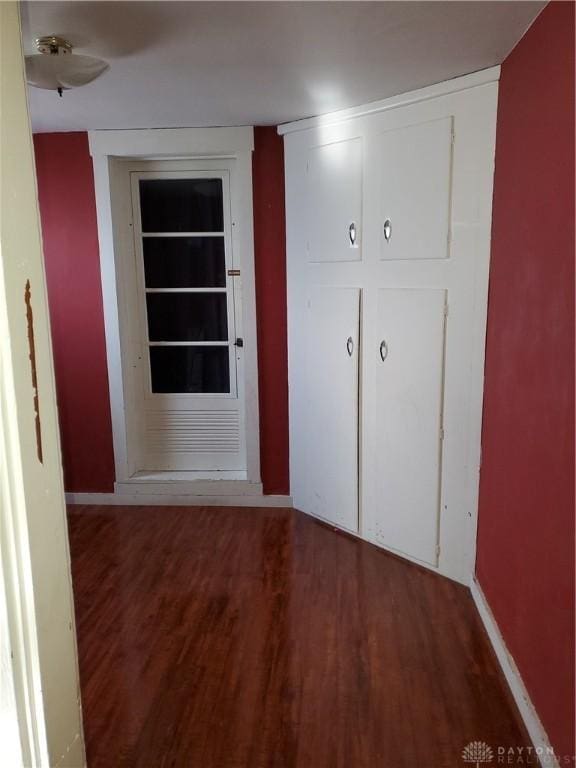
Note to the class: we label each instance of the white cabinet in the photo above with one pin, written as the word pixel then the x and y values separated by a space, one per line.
pixel 404 360
pixel 385 435
pixel 331 404
pixel 415 167
pixel 334 202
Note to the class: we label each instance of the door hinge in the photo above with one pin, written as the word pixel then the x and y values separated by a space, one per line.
pixel 438 550
pixel 453 137
pixel 441 433
pixel 446 310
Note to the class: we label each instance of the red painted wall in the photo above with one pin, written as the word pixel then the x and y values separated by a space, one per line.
pixel 525 561
pixel 68 213
pixel 270 261
pixel 67 207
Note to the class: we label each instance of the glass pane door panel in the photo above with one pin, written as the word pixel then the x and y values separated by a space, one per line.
pixel 187 317
pixel 190 369
pixel 181 205
pixel 184 262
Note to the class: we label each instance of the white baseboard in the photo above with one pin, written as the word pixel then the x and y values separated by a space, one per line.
pixel 511 672
pixel 164 500
pixel 74 756
pixel 151 485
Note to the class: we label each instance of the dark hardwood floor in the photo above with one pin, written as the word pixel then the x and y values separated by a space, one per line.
pixel 255 638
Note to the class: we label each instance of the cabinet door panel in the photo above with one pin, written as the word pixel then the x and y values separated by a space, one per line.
pixel 331 412
pixel 334 204
pixel 415 189
pixel 403 411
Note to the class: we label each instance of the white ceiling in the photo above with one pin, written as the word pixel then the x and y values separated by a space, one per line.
pixel 252 63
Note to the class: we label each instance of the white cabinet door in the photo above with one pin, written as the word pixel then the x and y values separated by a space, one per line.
pixel 331 406
pixel 404 357
pixel 334 201
pixel 415 165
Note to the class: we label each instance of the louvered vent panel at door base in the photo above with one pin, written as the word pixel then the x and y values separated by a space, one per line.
pixel 172 436
pixel 195 431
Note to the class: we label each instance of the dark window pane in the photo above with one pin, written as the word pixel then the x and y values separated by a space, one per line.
pixel 187 317
pixel 184 262
pixel 181 205
pixel 190 369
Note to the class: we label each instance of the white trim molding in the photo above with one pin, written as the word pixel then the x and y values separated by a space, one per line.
pixel 171 143
pixel 482 77
pixel 528 713
pixel 144 499
pixel 107 149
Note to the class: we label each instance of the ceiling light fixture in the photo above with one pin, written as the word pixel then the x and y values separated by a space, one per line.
pixel 56 68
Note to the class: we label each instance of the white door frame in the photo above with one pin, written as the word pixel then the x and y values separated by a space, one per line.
pixel 109 147
pixel 40 710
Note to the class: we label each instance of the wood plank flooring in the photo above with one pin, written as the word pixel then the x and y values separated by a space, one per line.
pixel 256 638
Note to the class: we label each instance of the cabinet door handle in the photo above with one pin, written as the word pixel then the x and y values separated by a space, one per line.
pixel 350 346
pixel 352 233
pixel 387 230
pixel 383 350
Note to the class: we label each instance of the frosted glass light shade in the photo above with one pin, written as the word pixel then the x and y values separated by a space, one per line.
pixel 63 70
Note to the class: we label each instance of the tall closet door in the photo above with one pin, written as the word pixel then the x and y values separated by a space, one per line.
pixel 404 364
pixel 331 405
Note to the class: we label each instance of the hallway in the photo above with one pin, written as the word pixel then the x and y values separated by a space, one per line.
pixel 260 638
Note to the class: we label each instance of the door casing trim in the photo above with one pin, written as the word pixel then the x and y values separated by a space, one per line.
pixel 106 147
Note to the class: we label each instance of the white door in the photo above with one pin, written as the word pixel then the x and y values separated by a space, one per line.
pixel 334 201
pixel 330 414
pixel 404 363
pixel 415 168
pixel 188 356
